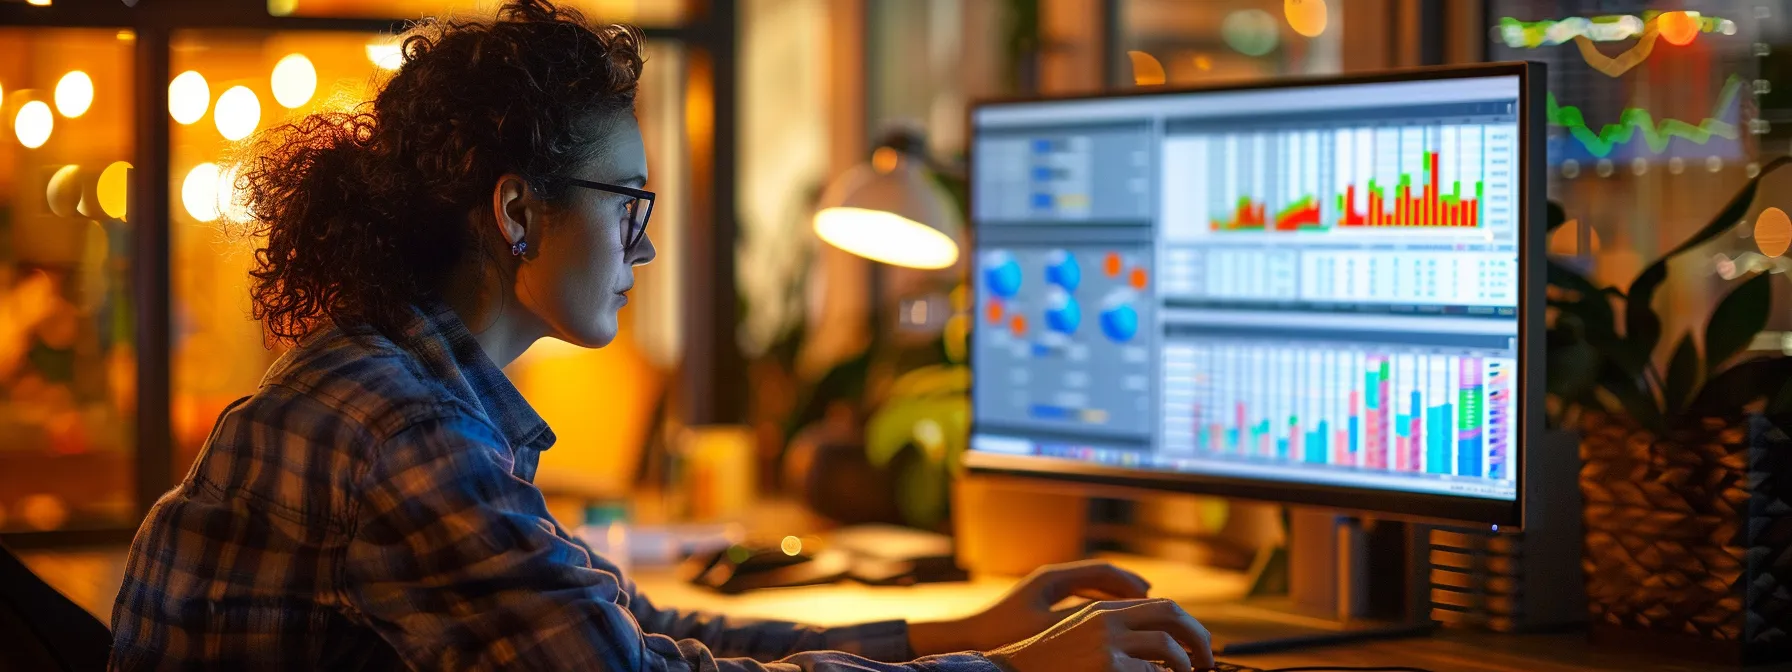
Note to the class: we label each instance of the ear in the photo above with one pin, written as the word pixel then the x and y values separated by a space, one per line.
pixel 513 208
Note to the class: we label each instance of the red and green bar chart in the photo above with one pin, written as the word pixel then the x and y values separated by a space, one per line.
pixel 1387 177
pixel 1420 413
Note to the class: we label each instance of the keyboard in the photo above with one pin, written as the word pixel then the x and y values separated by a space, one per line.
pixel 1223 666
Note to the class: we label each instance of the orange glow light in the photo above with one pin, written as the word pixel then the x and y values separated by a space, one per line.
pixel 1111 265
pixel 1137 278
pixel 1773 232
pixel 1146 70
pixel 995 312
pixel 1018 325
pixel 1678 28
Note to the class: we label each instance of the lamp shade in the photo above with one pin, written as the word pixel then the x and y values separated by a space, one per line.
pixel 896 216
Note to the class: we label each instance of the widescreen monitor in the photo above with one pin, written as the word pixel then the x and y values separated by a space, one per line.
pixel 1318 291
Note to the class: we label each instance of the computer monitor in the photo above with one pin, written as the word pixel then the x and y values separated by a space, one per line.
pixel 1313 291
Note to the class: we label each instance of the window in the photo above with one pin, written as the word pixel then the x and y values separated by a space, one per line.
pixel 67 323
pixel 1654 120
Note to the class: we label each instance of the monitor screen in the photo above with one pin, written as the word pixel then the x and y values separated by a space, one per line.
pixel 1312 286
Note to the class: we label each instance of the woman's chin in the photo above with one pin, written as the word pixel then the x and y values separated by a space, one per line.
pixel 594 335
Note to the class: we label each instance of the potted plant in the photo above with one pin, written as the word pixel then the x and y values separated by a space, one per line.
pixel 1685 470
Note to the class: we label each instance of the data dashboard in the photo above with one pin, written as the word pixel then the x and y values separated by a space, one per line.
pixel 1262 284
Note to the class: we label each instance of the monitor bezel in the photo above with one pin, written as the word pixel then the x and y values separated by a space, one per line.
pixel 1403 505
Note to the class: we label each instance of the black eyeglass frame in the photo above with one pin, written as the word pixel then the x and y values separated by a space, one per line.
pixel 639 195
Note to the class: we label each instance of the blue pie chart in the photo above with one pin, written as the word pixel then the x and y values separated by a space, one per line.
pixel 1119 320
pixel 1001 273
pixel 1062 314
pixel 1062 270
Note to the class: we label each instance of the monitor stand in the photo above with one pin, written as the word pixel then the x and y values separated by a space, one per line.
pixel 1349 579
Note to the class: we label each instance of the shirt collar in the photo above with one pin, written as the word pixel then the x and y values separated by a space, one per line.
pixel 446 348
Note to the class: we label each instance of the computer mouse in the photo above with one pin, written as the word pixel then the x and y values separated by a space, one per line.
pixel 740 568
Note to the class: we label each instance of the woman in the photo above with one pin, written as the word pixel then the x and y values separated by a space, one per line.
pixel 371 505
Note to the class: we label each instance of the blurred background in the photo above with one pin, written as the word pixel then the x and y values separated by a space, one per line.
pixel 762 371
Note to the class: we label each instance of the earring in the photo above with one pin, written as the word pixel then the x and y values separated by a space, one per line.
pixel 517 249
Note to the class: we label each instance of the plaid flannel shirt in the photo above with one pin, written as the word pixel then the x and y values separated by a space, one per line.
pixel 372 507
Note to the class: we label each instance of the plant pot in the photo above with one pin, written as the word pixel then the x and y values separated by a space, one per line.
pixel 1689 538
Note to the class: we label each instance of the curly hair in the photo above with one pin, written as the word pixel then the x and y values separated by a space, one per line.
pixel 364 213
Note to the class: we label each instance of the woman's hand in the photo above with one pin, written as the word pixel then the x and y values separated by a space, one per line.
pixel 1027 609
pixel 1122 636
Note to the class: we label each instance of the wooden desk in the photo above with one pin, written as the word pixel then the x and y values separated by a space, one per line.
pixel 1210 595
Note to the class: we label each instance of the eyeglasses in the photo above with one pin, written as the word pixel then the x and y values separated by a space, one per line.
pixel 640 207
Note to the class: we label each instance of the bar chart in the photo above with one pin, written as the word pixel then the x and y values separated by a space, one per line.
pixel 1429 413
pixel 1429 176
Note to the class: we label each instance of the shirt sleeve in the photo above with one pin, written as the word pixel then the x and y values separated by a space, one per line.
pixel 455 562
pixel 770 640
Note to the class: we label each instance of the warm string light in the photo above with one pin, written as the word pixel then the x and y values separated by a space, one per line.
pixel 386 54
pixel 237 114
pixel 294 81
pixel 33 123
pixel 74 94
pixel 113 189
pixel 199 192
pixel 1306 17
pixel 188 97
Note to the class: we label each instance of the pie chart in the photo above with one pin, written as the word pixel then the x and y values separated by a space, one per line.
pixel 1062 270
pixel 1062 314
pixel 1119 320
pixel 1001 273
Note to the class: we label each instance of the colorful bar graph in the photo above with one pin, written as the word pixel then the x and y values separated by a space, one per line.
pixel 1468 433
pixel 1412 413
pixel 1429 209
pixel 1247 215
pixel 1499 419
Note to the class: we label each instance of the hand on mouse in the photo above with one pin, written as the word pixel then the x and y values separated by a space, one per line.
pixel 1118 636
pixel 1027 609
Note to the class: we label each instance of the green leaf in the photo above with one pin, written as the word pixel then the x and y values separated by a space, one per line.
pixel 1738 318
pixel 1570 279
pixel 1571 370
pixel 1683 375
pixel 1750 380
pixel 1732 212
pixel 1557 216
pixel 1642 327
pixel 1631 395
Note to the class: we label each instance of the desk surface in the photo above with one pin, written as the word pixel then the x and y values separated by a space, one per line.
pixel 1208 594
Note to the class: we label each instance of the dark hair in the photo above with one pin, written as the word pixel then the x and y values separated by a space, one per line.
pixel 364 212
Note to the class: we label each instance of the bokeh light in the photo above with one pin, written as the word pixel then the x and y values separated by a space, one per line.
pixel 1773 232
pixel 188 97
pixel 33 123
pixel 199 192
pixel 1146 70
pixel 41 511
pixel 74 94
pixel 1306 17
pixel 114 188
pixel 294 81
pixel 64 191
pixel 237 114
pixel 1678 28
pixel 1251 32
pixel 386 54
pixel 233 203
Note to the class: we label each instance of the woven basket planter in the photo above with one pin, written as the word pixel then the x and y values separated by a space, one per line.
pixel 1689 538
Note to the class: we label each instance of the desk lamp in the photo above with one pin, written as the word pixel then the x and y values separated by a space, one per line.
pixel 890 210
